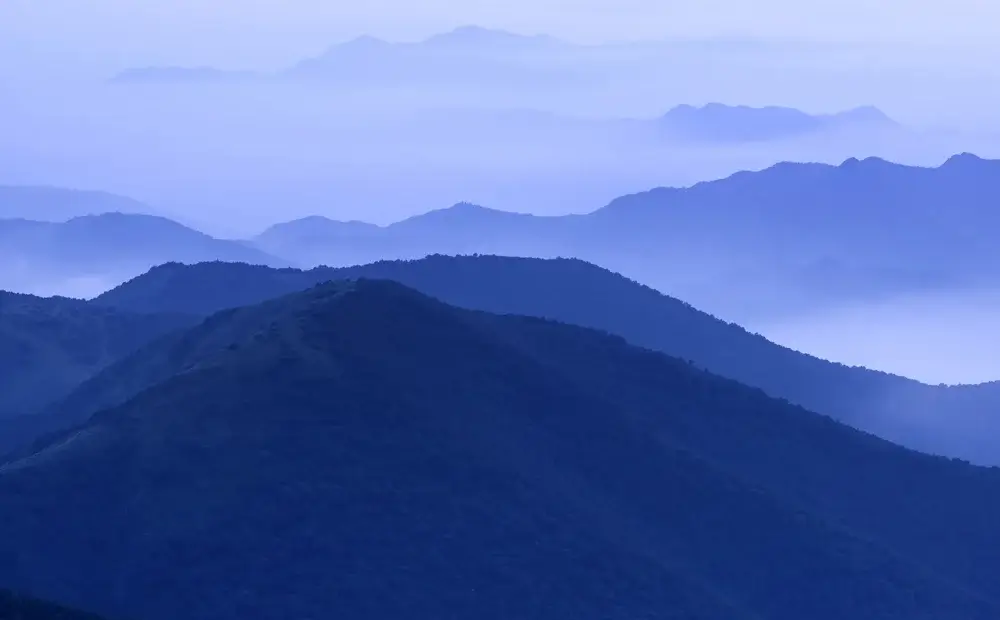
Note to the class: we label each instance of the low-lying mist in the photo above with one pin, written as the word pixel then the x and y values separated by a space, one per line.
pixel 949 338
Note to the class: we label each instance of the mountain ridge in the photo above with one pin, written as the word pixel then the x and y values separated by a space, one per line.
pixel 397 436
pixel 579 293
pixel 722 123
pixel 41 257
pixel 744 246
pixel 56 204
pixel 48 346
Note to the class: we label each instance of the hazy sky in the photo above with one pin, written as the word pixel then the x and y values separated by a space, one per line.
pixel 268 33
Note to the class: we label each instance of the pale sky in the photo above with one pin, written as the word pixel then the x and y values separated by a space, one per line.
pixel 270 33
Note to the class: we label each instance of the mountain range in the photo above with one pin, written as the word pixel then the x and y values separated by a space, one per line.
pixel 98 251
pixel 54 204
pixel 955 421
pixel 51 345
pixel 788 239
pixel 716 123
pixel 364 448
pixel 465 53
pixel 752 243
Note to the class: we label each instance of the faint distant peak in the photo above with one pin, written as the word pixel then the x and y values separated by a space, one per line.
pixel 356 49
pixel 868 112
pixel 720 112
pixel 965 159
pixel 719 122
pixel 119 216
pixel 363 44
pixel 318 224
pixel 717 110
pixel 462 213
pixel 854 162
pixel 479 36
pixel 463 208
pixel 471 208
pixel 863 114
pixel 135 222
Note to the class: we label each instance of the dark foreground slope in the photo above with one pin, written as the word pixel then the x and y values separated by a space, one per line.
pixel 14 607
pixel 364 451
pixel 954 421
pixel 48 346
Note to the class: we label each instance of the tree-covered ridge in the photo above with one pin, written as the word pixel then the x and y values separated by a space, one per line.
pixel 365 448
pixel 48 346
pixel 954 421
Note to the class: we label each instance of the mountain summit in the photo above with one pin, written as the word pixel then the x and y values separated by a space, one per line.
pixel 360 447
pixel 716 122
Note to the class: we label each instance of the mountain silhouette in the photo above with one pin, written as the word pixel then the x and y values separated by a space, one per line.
pixel 954 421
pixel 309 239
pixel 109 246
pixel 54 204
pixel 744 246
pixel 720 123
pixel 360 447
pixel 477 37
pixel 463 56
pixel 48 346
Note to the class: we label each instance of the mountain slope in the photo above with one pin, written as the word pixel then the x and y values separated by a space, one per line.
pixel 870 212
pixel 955 421
pixel 463 228
pixel 14 607
pixel 54 204
pixel 748 246
pixel 48 346
pixel 719 123
pixel 476 55
pixel 373 451
pixel 107 247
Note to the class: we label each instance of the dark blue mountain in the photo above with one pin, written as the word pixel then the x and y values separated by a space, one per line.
pixel 362 450
pixel 955 421
pixel 48 346
pixel 16 607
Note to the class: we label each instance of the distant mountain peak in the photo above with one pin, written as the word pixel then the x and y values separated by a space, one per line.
pixel 366 39
pixel 720 122
pixel 464 211
pixel 54 204
pixel 854 162
pixel 965 158
pixel 867 115
pixel 316 225
pixel 364 42
pixel 478 35
pixel 718 107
